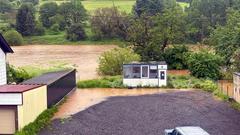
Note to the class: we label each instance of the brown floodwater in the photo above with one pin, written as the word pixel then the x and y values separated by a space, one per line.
pixel 82 57
pixel 81 99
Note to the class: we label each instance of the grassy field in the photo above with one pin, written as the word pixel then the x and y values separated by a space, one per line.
pixel 123 5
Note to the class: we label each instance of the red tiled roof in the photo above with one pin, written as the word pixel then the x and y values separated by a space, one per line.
pixel 17 88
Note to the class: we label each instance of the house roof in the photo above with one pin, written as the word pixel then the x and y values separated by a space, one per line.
pixel 4 45
pixel 148 63
pixel 17 88
pixel 48 78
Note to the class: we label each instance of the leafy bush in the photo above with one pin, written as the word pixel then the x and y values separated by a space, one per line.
pixel 175 57
pixel 55 29
pixel 111 62
pixel 204 65
pixel 105 82
pixel 16 75
pixel 42 121
pixel 13 37
pixel 76 32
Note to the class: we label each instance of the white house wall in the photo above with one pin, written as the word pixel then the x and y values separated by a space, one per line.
pixel 3 74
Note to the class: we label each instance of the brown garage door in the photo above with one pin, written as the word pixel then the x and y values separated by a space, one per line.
pixel 7 117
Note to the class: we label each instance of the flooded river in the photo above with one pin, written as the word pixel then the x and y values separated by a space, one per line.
pixel 81 99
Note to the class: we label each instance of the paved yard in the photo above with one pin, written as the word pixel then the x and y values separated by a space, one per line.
pixel 150 115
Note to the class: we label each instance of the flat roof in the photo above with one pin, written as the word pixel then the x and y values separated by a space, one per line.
pixel 17 88
pixel 48 78
pixel 147 63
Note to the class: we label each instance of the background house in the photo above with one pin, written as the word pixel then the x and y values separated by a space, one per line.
pixel 4 49
pixel 152 74
pixel 236 81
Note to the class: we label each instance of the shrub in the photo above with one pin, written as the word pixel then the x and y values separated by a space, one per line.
pixel 111 62
pixel 204 64
pixel 13 37
pixel 15 75
pixel 55 29
pixel 39 29
pixel 76 32
pixel 175 57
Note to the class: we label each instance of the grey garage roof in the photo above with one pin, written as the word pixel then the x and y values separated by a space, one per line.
pixel 48 78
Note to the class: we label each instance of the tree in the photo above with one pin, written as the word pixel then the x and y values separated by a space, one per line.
pixel 109 23
pixel 73 13
pixel 204 64
pixel 226 39
pixel 47 11
pixel 150 35
pixel 235 60
pixel 5 6
pixel 175 57
pixel 203 15
pixel 170 27
pixel 13 38
pixel 76 32
pixel 110 63
pixel 25 19
pixel 34 2
pixel 152 7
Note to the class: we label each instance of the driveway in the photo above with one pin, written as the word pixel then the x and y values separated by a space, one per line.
pixel 150 115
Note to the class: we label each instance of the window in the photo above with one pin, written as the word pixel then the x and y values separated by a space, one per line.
pixel 144 71
pixel 127 71
pixel 162 75
pixel 136 72
pixel 153 73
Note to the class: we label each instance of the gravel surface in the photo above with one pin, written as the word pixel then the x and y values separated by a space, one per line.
pixel 150 115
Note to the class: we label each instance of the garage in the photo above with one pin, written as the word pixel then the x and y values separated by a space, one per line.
pixel 58 83
pixel 20 105
pixel 8 119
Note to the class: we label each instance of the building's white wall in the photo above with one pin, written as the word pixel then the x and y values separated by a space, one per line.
pixel 3 74
pixel 144 82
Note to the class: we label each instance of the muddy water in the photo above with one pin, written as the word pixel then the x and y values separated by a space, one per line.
pixel 81 99
pixel 83 57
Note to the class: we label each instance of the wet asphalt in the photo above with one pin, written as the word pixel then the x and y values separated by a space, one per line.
pixel 150 115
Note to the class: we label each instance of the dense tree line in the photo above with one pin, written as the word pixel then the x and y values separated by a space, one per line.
pixel 151 28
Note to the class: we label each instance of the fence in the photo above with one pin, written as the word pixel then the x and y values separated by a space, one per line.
pixel 178 72
pixel 226 87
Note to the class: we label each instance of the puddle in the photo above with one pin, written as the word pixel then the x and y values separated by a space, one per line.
pixel 81 99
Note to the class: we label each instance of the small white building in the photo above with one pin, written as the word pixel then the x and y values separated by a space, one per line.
pixel 4 49
pixel 153 74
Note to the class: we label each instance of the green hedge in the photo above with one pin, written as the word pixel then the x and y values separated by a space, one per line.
pixel 105 82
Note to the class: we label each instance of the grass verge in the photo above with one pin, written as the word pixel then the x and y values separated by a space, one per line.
pixel 105 82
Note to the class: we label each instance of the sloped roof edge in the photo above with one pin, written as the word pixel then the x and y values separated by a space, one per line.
pixel 4 45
